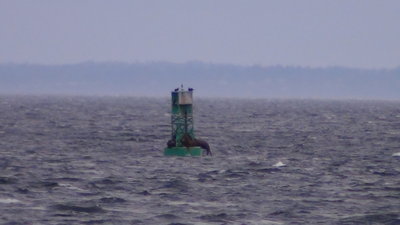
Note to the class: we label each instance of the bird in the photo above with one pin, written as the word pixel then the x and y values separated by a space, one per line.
pixel 176 89
pixel 190 89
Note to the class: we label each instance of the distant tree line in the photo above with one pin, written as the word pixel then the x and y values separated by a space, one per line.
pixel 209 80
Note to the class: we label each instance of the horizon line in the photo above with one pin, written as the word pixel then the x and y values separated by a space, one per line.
pixel 195 62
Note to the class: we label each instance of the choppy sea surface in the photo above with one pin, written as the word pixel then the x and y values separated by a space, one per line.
pixel 99 160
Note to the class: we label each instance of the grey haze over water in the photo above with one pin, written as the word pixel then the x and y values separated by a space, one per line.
pixel 209 80
pixel 351 33
pixel 212 46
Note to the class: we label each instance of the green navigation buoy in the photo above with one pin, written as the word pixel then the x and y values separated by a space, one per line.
pixel 183 141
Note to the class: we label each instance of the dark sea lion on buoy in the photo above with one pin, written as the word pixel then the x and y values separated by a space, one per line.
pixel 171 143
pixel 203 144
pixel 188 141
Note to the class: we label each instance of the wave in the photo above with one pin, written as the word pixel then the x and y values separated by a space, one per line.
pixel 77 208
pixel 9 200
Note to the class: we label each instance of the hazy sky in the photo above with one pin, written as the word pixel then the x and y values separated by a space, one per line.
pixel 353 33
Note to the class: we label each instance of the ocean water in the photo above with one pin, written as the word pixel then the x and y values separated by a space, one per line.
pixel 98 160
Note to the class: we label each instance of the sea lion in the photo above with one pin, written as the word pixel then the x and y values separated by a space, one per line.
pixel 188 141
pixel 171 143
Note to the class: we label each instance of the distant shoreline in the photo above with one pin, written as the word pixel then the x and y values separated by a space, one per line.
pixel 209 80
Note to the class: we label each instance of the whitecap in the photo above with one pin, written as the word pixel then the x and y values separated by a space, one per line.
pixel 397 154
pixel 9 200
pixel 244 129
pixel 279 164
pixel 71 187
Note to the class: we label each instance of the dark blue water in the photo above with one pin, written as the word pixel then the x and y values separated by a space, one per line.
pixel 74 160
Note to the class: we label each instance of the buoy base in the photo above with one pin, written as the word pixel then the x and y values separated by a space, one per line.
pixel 183 151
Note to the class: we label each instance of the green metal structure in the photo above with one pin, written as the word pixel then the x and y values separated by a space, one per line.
pixel 181 124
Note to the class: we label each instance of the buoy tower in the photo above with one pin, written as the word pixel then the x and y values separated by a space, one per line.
pixel 182 124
